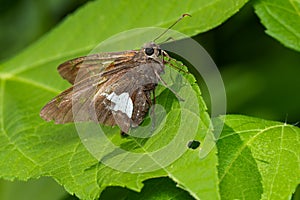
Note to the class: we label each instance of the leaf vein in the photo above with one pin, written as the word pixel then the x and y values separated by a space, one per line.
pixel 295 7
pixel 25 68
pixel 277 164
pixel 70 161
pixel 288 28
pixel 36 84
pixel 226 171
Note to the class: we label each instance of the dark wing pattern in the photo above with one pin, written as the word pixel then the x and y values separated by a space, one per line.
pixel 89 73
pixel 60 109
pixel 109 88
pixel 127 97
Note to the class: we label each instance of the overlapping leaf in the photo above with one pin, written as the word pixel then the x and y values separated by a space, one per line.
pixel 282 20
pixel 258 159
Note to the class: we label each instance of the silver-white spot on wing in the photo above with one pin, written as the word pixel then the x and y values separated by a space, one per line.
pixel 120 102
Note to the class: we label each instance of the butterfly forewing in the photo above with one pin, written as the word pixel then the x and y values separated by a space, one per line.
pixel 59 109
pixel 92 65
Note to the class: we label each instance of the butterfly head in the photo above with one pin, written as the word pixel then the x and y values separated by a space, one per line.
pixel 152 50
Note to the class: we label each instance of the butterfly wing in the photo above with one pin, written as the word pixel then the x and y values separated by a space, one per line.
pixel 106 101
pixel 83 67
pixel 60 109
pixel 128 96
pixel 111 90
pixel 87 74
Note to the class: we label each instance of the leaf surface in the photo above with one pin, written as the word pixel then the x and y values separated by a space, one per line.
pixel 258 158
pixel 32 147
pixel 282 20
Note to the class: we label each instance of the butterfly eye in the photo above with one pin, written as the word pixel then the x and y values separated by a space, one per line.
pixel 149 51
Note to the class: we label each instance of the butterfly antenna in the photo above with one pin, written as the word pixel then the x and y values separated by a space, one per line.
pixel 178 20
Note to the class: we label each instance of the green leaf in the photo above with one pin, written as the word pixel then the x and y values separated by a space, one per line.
pixel 96 21
pixel 43 188
pixel 258 158
pixel 282 20
pixel 32 147
pixel 164 189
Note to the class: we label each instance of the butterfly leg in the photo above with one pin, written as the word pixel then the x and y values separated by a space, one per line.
pixel 123 134
pixel 152 112
pixel 165 84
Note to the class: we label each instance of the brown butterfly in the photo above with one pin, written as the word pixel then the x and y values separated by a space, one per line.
pixel 110 88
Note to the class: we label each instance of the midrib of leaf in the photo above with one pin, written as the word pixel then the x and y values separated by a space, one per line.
pixel 35 83
pixel 245 144
pixel 81 50
pixel 84 49
pixel 25 68
pixel 295 7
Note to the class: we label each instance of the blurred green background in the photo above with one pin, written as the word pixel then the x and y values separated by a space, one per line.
pixel 261 76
